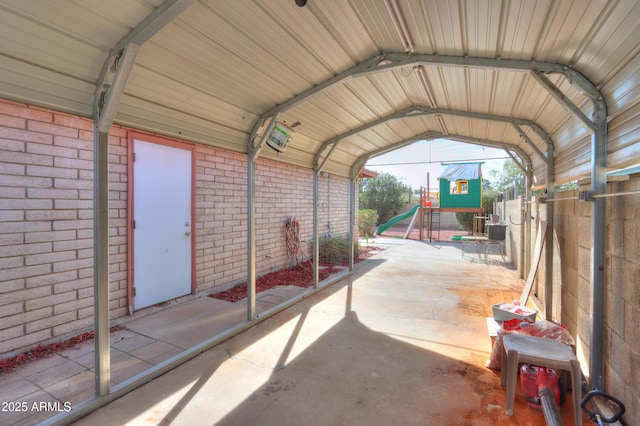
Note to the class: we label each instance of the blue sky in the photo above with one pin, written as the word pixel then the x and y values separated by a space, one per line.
pixel 412 163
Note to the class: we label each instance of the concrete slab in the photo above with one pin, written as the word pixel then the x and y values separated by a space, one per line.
pixel 401 341
pixel 183 328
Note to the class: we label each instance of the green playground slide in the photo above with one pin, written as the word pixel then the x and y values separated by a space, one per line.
pixel 396 219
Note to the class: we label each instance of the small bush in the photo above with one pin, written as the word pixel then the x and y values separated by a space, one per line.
pixel 367 221
pixel 335 250
pixel 465 220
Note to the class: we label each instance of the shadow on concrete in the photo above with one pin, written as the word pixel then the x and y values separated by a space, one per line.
pixel 353 375
pixel 404 343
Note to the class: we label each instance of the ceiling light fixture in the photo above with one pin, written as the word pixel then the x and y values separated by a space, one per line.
pixel 399 24
pixel 280 137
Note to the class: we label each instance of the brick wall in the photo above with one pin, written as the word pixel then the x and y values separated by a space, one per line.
pixel 333 206
pixel 46 224
pixel 220 210
pixel 46 221
pixel 282 191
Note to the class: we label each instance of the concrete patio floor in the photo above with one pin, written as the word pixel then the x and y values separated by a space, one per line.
pixel 402 341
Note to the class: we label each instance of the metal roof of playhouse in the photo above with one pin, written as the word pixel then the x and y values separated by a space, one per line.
pixel 353 78
pixel 464 171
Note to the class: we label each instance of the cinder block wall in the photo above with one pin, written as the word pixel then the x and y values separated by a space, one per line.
pixel 622 293
pixel 511 213
pixel 572 272
pixel 46 221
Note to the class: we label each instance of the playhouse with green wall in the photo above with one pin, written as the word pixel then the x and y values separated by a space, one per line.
pixel 461 186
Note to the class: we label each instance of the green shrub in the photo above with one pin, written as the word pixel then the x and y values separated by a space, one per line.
pixel 335 250
pixel 465 220
pixel 367 221
pixel 385 193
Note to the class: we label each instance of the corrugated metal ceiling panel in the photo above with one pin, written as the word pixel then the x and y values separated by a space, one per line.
pixel 623 89
pixel 143 115
pixel 210 74
pixel 624 132
pixel 265 39
pixel 188 99
pixel 25 82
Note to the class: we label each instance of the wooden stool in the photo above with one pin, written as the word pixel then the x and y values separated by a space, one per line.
pixel 542 352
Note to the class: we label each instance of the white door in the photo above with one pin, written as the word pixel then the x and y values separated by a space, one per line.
pixel 162 223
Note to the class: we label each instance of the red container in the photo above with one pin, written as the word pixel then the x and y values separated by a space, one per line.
pixel 528 377
pixel 529 383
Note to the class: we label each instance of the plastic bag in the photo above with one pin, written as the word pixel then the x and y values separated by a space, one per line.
pixel 546 329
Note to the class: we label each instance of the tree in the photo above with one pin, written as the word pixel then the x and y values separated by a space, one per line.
pixel 384 194
pixel 511 175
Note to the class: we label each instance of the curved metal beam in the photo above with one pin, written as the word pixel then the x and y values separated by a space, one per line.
pixel 362 160
pixel 109 90
pixel 527 139
pixel 117 67
pixel 425 111
pixel 564 100
pixel 392 61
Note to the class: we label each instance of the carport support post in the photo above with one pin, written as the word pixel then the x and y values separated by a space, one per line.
pixel 598 238
pixel 253 151
pixel 251 237
pixel 548 261
pixel 316 241
pixel 597 124
pixel 101 261
pixel 110 88
pixel 353 219
pixel 105 105
pixel 525 166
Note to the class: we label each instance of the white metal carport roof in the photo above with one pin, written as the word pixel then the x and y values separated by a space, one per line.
pixel 554 83
pixel 210 73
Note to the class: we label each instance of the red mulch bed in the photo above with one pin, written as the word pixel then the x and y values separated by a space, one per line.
pixel 299 276
pixel 40 351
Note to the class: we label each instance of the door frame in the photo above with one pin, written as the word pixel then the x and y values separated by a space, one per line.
pixel 145 137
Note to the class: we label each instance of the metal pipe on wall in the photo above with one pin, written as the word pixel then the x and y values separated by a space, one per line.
pixel 527 224
pixel 588 196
